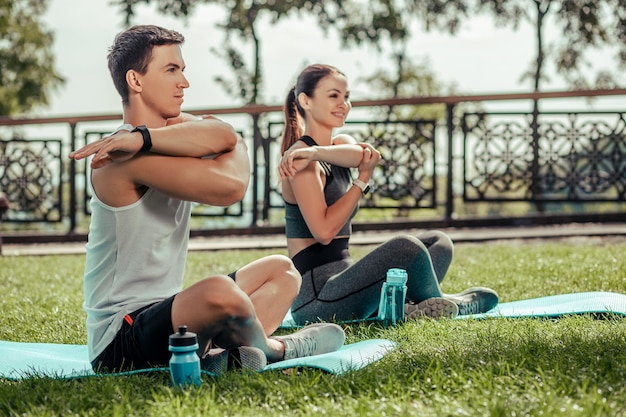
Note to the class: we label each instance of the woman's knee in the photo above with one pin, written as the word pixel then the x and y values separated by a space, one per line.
pixel 436 238
pixel 405 245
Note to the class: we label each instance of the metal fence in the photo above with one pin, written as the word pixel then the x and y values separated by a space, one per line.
pixel 488 167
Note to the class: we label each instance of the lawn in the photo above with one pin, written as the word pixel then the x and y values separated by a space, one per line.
pixel 574 366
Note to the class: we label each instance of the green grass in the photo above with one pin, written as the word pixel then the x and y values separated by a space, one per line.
pixel 573 366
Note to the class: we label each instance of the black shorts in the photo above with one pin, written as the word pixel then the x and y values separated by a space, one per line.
pixel 142 342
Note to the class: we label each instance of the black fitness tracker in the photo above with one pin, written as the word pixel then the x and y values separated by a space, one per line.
pixel 145 134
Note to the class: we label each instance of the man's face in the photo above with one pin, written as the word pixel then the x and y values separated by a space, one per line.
pixel 164 81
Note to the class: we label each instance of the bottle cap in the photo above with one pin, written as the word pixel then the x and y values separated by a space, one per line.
pixel 183 337
pixel 397 276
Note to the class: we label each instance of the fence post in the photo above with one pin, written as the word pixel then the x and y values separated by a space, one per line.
pixel 449 188
pixel 4 207
pixel 72 213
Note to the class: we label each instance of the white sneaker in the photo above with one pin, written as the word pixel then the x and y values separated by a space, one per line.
pixel 313 339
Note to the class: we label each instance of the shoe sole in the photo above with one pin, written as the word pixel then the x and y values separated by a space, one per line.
pixel 243 357
pixel 434 308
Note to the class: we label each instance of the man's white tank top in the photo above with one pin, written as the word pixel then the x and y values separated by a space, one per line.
pixel 135 256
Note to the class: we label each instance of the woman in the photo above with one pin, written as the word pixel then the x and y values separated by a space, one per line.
pixel 320 200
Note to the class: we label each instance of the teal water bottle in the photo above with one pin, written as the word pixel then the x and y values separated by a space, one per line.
pixel 185 362
pixel 392 296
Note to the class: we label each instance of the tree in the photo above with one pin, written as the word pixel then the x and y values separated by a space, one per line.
pixel 583 25
pixel 27 72
pixel 347 16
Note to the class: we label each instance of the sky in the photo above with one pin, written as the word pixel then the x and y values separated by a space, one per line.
pixel 479 59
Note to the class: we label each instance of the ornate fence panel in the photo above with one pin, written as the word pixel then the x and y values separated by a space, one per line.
pixel 31 178
pixel 405 177
pixel 531 164
pixel 578 157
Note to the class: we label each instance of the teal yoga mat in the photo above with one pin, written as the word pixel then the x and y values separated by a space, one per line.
pixel 20 360
pixel 595 302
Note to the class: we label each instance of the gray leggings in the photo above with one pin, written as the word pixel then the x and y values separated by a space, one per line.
pixel 344 290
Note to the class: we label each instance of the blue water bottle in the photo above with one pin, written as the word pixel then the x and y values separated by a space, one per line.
pixel 392 296
pixel 185 362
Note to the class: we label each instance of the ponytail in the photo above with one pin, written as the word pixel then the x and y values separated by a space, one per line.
pixel 293 127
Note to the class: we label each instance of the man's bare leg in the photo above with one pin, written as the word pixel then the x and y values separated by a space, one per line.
pixel 218 311
pixel 272 284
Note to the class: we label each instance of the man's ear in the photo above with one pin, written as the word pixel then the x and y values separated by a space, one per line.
pixel 303 100
pixel 133 81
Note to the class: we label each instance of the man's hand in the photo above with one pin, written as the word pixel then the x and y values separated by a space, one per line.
pixel 121 146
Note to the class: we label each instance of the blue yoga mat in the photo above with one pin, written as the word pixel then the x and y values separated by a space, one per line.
pixel 20 360
pixel 596 302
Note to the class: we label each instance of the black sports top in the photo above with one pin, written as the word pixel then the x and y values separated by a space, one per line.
pixel 338 180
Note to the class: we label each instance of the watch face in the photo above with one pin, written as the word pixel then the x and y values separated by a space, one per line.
pixel 366 189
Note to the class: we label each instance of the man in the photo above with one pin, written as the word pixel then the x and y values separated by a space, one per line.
pixel 145 177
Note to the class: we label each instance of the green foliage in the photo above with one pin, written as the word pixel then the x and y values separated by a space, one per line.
pixel 500 367
pixel 583 26
pixel 356 21
pixel 26 62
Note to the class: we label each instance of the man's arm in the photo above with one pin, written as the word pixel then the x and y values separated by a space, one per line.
pixel 219 181
pixel 196 138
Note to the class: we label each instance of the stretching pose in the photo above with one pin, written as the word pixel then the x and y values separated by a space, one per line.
pixel 145 177
pixel 320 200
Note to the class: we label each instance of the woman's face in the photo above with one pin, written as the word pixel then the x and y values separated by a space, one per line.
pixel 330 103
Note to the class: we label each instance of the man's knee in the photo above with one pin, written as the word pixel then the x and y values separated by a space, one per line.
pixel 225 300
pixel 286 276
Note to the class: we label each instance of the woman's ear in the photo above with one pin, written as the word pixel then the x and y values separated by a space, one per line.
pixel 133 81
pixel 303 100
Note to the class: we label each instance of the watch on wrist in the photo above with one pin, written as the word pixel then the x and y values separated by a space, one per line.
pixel 145 134
pixel 363 186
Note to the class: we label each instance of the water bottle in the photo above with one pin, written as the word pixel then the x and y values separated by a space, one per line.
pixel 185 362
pixel 392 296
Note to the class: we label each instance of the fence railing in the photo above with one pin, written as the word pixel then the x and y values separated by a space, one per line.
pixel 486 167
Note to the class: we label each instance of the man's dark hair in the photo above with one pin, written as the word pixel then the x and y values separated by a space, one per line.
pixel 132 49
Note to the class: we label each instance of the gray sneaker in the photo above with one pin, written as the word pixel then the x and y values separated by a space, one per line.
pixel 475 300
pixel 434 308
pixel 313 339
pixel 242 357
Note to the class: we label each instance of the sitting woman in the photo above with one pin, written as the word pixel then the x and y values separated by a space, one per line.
pixel 320 200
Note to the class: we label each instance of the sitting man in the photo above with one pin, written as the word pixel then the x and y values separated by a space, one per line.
pixel 145 177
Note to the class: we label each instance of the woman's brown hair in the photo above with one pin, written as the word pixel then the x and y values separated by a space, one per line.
pixel 294 114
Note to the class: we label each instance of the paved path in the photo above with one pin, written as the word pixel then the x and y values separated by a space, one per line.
pixel 459 236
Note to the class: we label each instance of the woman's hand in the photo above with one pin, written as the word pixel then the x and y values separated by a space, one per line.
pixel 295 160
pixel 370 160
pixel 119 147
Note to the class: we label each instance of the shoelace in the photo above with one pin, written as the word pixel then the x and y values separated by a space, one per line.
pixel 302 346
pixel 473 307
